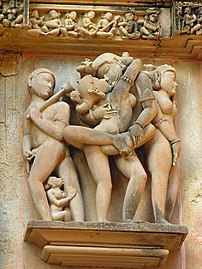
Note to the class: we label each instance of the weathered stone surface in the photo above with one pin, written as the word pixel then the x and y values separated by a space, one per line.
pixel 109 244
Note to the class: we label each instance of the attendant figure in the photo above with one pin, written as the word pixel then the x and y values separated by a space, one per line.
pixel 164 149
pixel 58 199
pixel 129 27
pixel 43 145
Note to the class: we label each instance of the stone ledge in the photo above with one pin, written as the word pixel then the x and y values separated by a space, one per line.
pixel 128 245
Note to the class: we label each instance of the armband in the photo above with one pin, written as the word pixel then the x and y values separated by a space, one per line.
pixel 161 120
pixel 128 79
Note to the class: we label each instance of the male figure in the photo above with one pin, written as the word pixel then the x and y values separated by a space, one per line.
pixel 43 143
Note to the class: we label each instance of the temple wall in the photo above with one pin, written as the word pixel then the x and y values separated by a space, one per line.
pixel 16 205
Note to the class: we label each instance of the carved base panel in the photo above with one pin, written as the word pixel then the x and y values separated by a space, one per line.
pixel 101 256
pixel 110 245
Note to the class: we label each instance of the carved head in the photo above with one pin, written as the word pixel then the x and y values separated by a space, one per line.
pixel 90 14
pixel 153 17
pixel 187 10
pixel 108 16
pixel 85 68
pixel 93 88
pixel 109 66
pixel 166 76
pixel 71 15
pixel 54 14
pixel 129 16
pixel 54 182
pixel 35 14
pixel 41 82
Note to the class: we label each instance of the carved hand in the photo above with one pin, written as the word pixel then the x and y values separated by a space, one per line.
pixel 67 87
pixel 176 148
pixel 136 132
pixel 30 154
pixel 104 112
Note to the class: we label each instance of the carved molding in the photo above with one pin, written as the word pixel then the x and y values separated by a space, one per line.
pixel 87 244
pixel 17 33
pixel 188 18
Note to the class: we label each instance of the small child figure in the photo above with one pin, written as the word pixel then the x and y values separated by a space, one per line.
pixel 58 199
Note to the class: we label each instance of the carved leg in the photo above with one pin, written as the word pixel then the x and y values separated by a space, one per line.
pixel 159 160
pixel 99 166
pixel 46 159
pixel 133 170
pixel 78 136
pixel 173 190
pixel 67 171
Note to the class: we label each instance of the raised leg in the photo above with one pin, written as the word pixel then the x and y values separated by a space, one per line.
pixel 80 136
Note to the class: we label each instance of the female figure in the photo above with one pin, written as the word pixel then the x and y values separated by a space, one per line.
pixel 163 150
pixel 58 199
pixel 106 26
pixel 53 24
pixel 121 77
pixel 88 28
pixel 150 28
pixel 70 25
pixel 129 27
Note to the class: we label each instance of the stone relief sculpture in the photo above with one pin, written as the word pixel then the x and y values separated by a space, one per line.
pixel 129 28
pixel 73 24
pixel 150 28
pixel 125 105
pixel 58 199
pixel 70 25
pixel 165 146
pixel 188 18
pixel 11 14
pixel 88 28
pixel 107 26
pixel 52 25
pixel 43 145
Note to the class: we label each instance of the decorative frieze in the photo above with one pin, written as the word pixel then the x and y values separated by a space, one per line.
pixel 188 18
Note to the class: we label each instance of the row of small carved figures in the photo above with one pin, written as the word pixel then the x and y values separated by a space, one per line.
pixel 90 24
pixel 189 20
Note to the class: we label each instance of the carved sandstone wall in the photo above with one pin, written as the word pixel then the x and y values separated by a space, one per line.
pixel 16 205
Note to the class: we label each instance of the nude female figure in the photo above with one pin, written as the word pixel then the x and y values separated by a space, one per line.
pixel 58 199
pixel 163 150
pixel 121 101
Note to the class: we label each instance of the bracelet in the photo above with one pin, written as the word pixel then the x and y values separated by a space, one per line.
pixel 128 79
pixel 174 141
pixel 161 120
pixel 139 123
